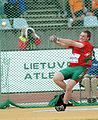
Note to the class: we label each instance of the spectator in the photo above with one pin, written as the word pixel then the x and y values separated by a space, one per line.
pixel 22 6
pixel 1 8
pixel 11 10
pixel 77 12
pixel 88 5
pixel 30 36
pixel 95 8
pixel 90 80
pixel 33 39
pixel 14 9
pixel 67 7
pixel 2 2
pixel 62 7
pixel 29 39
pixel 92 7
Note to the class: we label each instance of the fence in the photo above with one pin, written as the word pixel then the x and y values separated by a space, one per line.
pixel 25 77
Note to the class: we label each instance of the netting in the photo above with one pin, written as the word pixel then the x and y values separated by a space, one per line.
pixel 29 60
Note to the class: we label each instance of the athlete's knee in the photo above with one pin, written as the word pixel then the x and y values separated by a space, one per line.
pixel 58 77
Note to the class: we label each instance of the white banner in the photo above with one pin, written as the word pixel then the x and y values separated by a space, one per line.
pixel 30 71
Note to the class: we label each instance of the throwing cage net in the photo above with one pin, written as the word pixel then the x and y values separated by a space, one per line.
pixel 29 60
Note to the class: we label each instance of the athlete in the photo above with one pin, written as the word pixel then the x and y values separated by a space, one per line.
pixel 80 60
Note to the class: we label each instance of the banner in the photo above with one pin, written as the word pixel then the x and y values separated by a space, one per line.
pixel 31 71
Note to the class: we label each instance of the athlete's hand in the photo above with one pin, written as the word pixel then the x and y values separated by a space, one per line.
pixel 53 38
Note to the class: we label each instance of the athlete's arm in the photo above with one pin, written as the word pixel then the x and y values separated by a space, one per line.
pixel 65 42
pixel 70 42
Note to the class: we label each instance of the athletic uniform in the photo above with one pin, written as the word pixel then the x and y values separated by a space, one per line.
pixel 80 60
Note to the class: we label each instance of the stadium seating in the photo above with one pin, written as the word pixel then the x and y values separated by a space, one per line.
pixel 7 26
pixel 20 23
pixel 44 14
pixel 90 21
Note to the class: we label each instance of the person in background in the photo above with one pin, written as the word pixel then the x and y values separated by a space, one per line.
pixel 90 80
pixel 77 9
pixel 2 2
pixel 91 7
pixel 88 5
pixel 62 7
pixel 28 40
pixel 80 60
pixel 11 10
pixel 22 6
pixel 95 8
pixel 31 37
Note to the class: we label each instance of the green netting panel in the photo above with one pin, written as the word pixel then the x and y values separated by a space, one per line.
pixel 28 61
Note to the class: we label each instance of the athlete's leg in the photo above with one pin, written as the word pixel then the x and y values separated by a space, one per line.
pixel 59 80
pixel 64 74
pixel 69 87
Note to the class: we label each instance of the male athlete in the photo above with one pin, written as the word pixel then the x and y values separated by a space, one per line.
pixel 80 60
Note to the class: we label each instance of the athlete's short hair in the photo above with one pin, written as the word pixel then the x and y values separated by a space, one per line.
pixel 88 33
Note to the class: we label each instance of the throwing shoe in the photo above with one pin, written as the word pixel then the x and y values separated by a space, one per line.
pixel 60 106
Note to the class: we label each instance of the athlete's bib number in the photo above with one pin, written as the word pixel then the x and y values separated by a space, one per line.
pixel 74 58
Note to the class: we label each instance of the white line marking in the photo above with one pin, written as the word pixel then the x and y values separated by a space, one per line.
pixel 68 109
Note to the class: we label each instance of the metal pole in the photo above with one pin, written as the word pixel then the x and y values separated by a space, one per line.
pixel 80 92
